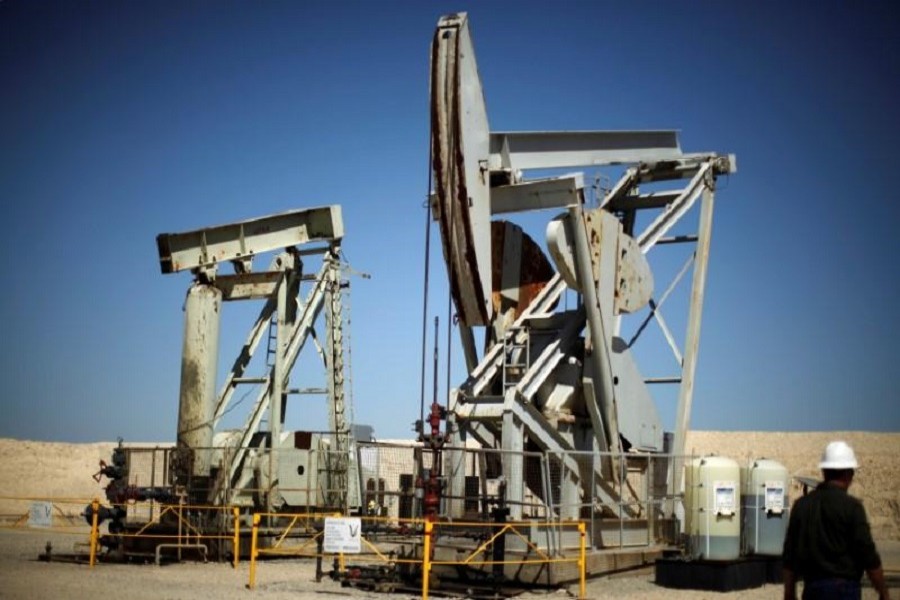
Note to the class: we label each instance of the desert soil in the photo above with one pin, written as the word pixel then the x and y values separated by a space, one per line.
pixel 62 472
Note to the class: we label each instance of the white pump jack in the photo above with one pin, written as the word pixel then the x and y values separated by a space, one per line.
pixel 560 380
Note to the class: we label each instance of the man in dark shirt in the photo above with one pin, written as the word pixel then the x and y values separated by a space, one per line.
pixel 828 542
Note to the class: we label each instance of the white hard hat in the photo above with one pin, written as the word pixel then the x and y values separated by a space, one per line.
pixel 838 455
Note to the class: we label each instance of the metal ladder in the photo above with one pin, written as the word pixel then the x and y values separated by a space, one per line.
pixel 272 342
pixel 516 355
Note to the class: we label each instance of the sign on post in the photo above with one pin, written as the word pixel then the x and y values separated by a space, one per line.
pixel 41 514
pixel 343 534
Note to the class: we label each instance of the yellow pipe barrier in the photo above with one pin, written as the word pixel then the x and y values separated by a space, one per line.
pixel 428 562
pixel 95 536
pixel 236 544
pixel 253 551
pixel 426 559
pixel 582 561
pixel 485 545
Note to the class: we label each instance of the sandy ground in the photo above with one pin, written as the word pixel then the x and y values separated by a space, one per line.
pixel 63 471
pixel 23 577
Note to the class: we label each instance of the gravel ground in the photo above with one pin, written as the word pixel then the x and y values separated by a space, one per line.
pixel 24 577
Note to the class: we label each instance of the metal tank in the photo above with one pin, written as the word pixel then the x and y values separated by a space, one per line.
pixel 764 506
pixel 711 508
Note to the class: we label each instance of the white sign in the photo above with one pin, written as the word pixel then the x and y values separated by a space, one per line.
pixel 41 514
pixel 343 534
pixel 775 497
pixel 724 497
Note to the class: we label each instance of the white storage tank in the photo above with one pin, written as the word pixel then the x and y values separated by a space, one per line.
pixel 764 505
pixel 712 510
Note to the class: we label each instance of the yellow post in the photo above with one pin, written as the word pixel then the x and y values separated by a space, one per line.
pixel 236 543
pixel 253 535
pixel 426 559
pixel 95 533
pixel 582 561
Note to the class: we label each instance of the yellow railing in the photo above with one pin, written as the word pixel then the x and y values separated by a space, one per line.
pixel 310 528
pixel 66 513
pixel 188 534
pixel 62 515
pixel 539 556
pixel 296 521
pixel 370 548
pixel 313 524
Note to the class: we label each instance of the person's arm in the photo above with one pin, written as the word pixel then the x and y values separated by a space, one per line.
pixel 876 576
pixel 867 554
pixel 790 584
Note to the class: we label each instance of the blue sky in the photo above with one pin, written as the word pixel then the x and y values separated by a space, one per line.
pixel 121 120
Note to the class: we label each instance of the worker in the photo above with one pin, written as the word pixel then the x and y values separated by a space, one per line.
pixel 828 542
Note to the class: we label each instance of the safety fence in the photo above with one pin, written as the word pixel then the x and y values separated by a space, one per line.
pixel 63 515
pixel 320 536
pixel 627 499
pixel 43 515
pixel 414 546
pixel 174 528
pixel 304 472
pixel 525 551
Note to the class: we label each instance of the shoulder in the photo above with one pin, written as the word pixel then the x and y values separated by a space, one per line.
pixel 855 504
pixel 805 500
pixel 800 502
pixel 843 496
pixel 853 500
pixel 800 507
pixel 848 505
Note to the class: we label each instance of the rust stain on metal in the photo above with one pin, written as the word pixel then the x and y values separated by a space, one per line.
pixel 534 272
pixel 454 218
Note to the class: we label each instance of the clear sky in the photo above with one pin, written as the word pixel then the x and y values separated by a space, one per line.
pixel 121 120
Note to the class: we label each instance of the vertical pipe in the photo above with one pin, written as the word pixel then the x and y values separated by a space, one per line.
pixel 319 552
pixel 426 559
pixel 434 391
pixel 582 561
pixel 253 539
pixel 95 508
pixel 236 544
pixel 199 360
pixel 180 521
